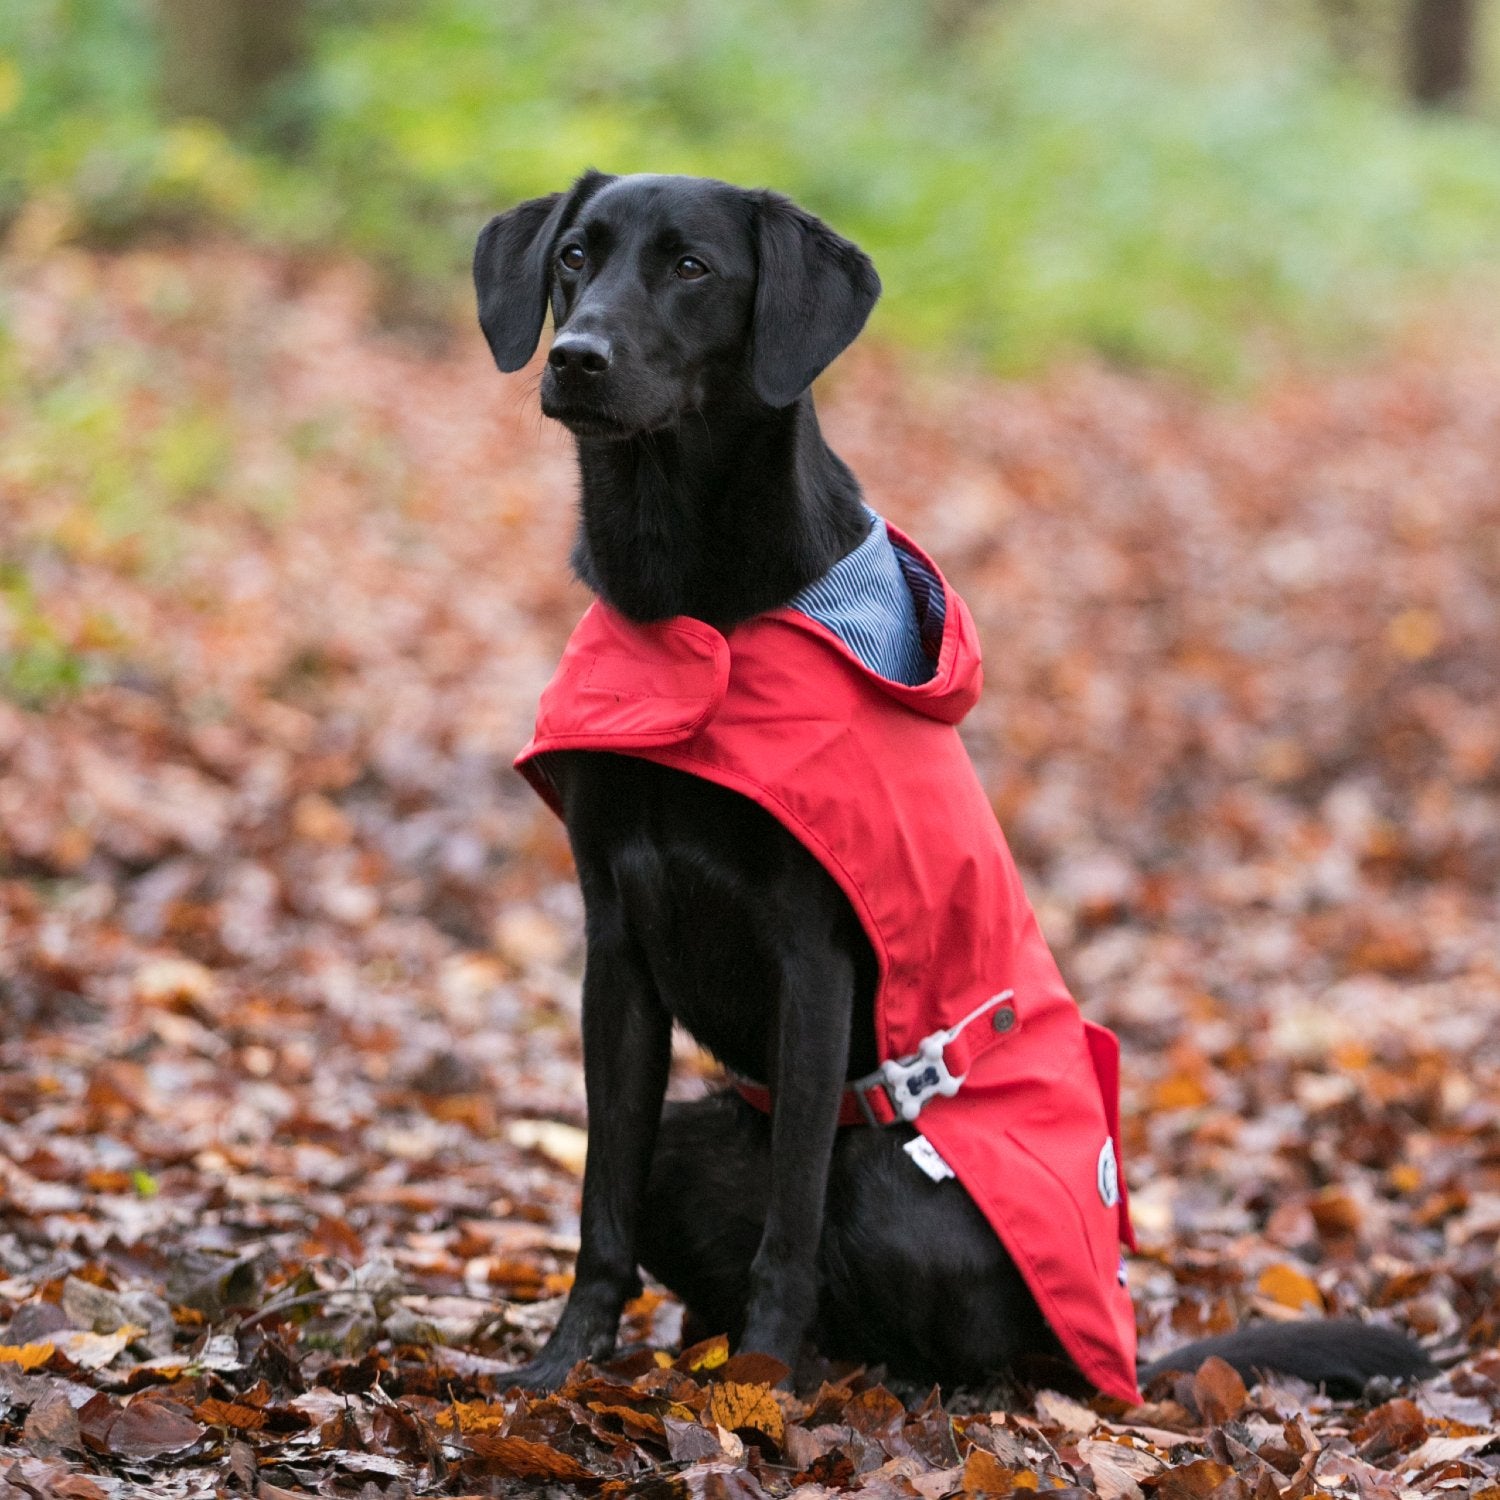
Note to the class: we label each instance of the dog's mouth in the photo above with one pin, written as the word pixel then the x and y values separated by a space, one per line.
pixel 594 419
pixel 589 422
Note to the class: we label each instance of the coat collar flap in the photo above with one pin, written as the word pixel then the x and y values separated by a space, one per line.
pixel 635 685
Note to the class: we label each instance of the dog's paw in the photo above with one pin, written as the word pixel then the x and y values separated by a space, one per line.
pixel 544 1373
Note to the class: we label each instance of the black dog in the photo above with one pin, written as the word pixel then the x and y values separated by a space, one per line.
pixel 691 318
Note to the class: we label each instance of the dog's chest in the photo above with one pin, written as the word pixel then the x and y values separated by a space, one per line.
pixel 711 896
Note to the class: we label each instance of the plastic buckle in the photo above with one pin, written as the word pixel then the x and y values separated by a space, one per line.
pixel 912 1081
pixel 909 1082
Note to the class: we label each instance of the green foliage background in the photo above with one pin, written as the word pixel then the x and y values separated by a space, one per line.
pixel 1179 183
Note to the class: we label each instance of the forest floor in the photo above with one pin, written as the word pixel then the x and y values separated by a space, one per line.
pixel 290 1101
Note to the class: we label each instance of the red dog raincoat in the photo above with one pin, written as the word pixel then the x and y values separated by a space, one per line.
pixel 1016 1093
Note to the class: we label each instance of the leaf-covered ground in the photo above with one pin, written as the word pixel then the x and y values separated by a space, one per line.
pixel 290 1103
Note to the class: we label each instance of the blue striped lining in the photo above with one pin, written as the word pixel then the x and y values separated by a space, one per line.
pixel 883 604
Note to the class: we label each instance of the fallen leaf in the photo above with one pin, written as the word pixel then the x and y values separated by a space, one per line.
pixel 471 1416
pixel 710 1354
pixel 93 1351
pixel 566 1145
pixel 1290 1287
pixel 1441 1450
pixel 1390 1428
pixel 52 1427
pixel 1218 1391
pixel 521 1458
pixel 984 1474
pixel 150 1429
pixel 174 980
pixel 754 1369
pixel 689 1440
pixel 27 1356
pixel 1118 1469
pixel 231 1414
pixel 1065 1413
pixel 738 1407
pixel 1192 1481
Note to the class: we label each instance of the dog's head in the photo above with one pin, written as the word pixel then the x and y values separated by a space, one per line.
pixel 667 293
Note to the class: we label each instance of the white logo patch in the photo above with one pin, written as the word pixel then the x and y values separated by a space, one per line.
pixel 925 1154
pixel 1108 1174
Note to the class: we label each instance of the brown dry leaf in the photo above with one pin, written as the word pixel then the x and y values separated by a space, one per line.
pixel 754 1369
pixel 1390 1428
pixel 1064 1413
pixel 984 1474
pixel 638 1424
pixel 1286 1285
pixel 876 1413
pixel 1194 1481
pixel 1337 1211
pixel 1118 1469
pixel 74 1487
pixel 52 1426
pixel 524 1459
pixel 95 1417
pixel 689 1440
pixel 737 1407
pixel 150 1429
pixel 233 1414
pixel 1218 1391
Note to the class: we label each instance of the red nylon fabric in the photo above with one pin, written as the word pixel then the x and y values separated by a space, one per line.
pixel 871 776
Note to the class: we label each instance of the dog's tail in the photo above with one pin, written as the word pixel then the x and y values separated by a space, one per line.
pixel 1341 1355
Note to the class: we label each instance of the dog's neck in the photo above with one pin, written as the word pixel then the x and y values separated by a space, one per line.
pixel 721 517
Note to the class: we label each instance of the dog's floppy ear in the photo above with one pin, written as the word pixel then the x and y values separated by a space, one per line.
pixel 813 293
pixel 513 269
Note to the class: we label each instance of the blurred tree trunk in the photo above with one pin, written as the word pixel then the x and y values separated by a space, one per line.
pixel 220 58
pixel 1440 51
pixel 1348 28
pixel 949 22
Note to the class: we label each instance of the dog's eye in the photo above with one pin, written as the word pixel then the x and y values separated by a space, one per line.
pixel 690 268
pixel 571 257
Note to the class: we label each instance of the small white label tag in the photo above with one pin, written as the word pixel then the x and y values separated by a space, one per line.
pixel 924 1153
pixel 1109 1174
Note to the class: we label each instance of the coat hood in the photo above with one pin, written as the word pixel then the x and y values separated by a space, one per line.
pixel 946 627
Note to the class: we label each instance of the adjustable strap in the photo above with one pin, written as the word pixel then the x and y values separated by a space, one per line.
pixel 900 1086
pixel 870 1107
pixel 911 1081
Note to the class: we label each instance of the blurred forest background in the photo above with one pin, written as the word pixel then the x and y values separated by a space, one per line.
pixel 1186 371
pixel 1163 181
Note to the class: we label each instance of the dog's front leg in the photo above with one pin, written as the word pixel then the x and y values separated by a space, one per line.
pixel 627 1038
pixel 807 1082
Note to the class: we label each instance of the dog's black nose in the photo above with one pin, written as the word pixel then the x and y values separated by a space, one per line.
pixel 579 354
